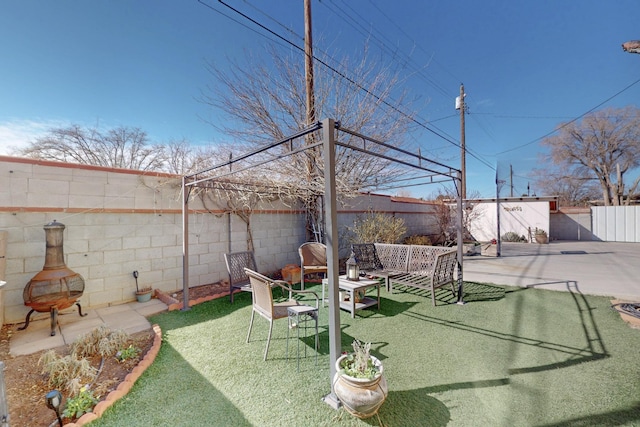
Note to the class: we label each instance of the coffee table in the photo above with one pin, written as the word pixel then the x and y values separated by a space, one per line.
pixel 352 287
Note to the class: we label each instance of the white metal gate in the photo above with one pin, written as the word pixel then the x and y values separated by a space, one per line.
pixel 616 223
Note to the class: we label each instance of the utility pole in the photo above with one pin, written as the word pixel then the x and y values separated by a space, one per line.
pixel 315 220
pixel 308 64
pixel 463 163
pixel 511 179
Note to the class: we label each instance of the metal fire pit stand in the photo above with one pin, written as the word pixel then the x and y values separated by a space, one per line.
pixel 54 318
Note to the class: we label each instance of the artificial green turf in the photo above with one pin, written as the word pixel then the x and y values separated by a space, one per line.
pixel 508 357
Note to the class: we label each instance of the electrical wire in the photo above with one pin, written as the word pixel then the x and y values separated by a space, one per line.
pixel 570 121
pixel 352 20
pixel 339 73
pixel 399 27
pixel 432 129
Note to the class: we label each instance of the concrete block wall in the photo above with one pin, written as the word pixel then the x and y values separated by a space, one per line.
pixel 419 217
pixel 118 221
pixel 571 223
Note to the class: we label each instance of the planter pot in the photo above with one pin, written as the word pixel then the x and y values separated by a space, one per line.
pixel 469 249
pixel 361 397
pixel 358 296
pixel 542 238
pixel 144 295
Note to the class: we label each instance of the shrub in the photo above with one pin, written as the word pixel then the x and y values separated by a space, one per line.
pixel 101 340
pixel 74 369
pixel 512 236
pixel 62 370
pixel 417 240
pixel 376 227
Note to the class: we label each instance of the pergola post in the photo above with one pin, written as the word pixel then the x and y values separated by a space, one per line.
pixel 460 208
pixel 331 240
pixel 185 244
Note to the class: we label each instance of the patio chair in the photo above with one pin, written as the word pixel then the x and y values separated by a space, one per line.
pixel 236 263
pixel 369 262
pixel 263 301
pixel 313 260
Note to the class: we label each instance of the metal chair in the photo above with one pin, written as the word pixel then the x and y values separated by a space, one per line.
pixel 369 262
pixel 263 302
pixel 238 278
pixel 313 259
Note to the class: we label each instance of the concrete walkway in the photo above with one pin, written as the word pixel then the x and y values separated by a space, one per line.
pixel 131 318
pixel 595 268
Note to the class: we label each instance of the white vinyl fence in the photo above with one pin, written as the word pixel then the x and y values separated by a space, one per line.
pixel 616 223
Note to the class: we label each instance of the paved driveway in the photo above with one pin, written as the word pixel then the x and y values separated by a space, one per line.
pixel 596 268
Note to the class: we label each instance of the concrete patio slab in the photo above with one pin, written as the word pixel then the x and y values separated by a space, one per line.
pixel 596 268
pixel 129 317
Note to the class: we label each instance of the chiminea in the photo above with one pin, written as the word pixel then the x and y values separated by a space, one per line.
pixel 56 287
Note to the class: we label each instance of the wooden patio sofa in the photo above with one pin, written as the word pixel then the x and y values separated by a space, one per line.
pixel 417 266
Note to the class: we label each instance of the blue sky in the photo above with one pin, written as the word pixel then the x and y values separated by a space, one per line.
pixel 526 66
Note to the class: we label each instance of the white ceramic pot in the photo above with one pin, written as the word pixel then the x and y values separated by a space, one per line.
pixel 361 397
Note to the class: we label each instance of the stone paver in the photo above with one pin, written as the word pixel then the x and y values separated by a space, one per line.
pixel 129 317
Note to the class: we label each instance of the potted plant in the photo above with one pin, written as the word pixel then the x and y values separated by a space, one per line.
pixel 541 236
pixel 142 294
pixel 359 382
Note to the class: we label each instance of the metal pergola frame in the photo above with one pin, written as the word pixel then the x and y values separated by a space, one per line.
pixel 435 172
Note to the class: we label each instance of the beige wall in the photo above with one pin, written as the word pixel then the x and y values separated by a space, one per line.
pixel 118 221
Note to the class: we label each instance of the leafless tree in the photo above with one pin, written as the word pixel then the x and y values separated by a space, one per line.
pixel 121 147
pixel 605 145
pixel 265 102
pixel 573 189
pixel 445 215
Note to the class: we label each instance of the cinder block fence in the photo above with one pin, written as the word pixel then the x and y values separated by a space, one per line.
pixel 118 221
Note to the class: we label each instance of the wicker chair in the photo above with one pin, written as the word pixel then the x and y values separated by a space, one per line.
pixel 238 278
pixel 313 259
pixel 263 301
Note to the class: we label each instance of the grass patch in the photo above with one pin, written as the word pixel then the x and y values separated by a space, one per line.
pixel 509 357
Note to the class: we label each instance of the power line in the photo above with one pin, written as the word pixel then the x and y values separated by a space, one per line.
pixel 384 44
pixel 571 121
pixel 399 27
pixel 433 129
pixel 237 21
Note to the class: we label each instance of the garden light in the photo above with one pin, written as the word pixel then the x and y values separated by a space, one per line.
pixel 54 399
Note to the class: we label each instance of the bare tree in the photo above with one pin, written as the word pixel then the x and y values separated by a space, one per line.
pixel 265 103
pixel 604 145
pixel 445 215
pixel 573 189
pixel 121 147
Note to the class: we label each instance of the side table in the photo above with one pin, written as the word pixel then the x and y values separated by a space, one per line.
pixel 299 316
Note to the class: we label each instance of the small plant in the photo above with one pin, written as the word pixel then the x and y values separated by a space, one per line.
pixel 130 352
pixel 81 404
pixel 62 370
pixel 540 232
pixel 101 340
pixel 417 240
pixel 512 236
pixel 359 364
